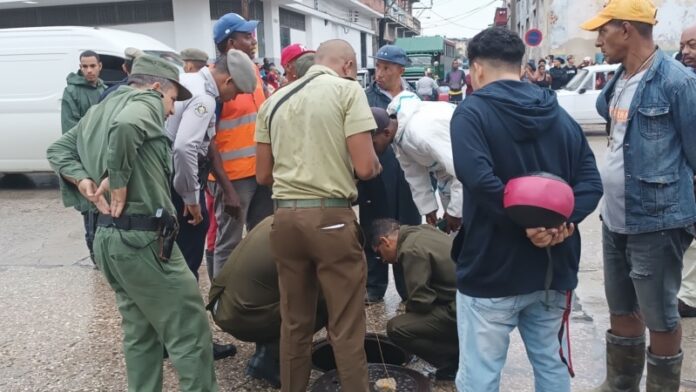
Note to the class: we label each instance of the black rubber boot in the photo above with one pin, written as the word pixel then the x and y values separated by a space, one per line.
pixel 265 363
pixel 625 361
pixel 664 373
pixel 221 351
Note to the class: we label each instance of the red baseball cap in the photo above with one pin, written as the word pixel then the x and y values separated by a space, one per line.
pixel 292 52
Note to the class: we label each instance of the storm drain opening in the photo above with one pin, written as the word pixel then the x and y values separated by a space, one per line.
pixel 407 380
pixel 323 357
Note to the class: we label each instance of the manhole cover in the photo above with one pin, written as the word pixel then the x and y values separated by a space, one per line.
pixel 323 356
pixel 407 380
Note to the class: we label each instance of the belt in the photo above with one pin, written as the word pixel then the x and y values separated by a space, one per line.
pixel 313 203
pixel 130 222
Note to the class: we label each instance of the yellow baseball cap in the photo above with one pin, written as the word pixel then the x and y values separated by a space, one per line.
pixel 631 10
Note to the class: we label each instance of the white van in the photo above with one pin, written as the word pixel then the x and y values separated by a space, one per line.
pixel 579 96
pixel 34 63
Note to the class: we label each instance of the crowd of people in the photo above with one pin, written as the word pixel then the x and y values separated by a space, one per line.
pixel 169 168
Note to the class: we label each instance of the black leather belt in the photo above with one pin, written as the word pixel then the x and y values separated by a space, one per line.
pixel 130 222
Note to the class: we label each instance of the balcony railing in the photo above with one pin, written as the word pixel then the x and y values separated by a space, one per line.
pixel 398 14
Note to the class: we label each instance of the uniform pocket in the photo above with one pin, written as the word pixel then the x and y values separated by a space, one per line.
pixel 659 193
pixel 653 121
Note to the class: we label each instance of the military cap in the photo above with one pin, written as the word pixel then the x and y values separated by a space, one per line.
pixel 242 70
pixel 193 54
pixel 156 66
pixel 132 53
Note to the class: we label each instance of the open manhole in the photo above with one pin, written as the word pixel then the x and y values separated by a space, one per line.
pixel 407 380
pixel 323 357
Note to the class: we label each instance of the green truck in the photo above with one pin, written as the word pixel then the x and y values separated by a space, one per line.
pixel 436 53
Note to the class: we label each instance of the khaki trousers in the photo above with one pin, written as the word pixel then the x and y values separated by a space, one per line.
pixel 320 248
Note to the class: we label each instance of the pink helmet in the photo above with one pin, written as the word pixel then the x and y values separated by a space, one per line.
pixel 538 200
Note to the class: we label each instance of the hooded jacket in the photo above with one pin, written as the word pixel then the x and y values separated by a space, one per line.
pixel 505 130
pixel 78 97
pixel 422 146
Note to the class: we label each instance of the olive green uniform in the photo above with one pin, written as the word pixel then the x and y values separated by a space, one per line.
pixel 78 97
pixel 245 297
pixel 428 329
pixel 123 139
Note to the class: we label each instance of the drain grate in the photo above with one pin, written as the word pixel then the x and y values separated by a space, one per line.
pixel 407 380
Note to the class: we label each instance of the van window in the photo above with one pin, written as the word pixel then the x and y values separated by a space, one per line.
pixel 112 72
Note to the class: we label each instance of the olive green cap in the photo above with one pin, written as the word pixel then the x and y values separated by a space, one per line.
pixel 193 54
pixel 155 66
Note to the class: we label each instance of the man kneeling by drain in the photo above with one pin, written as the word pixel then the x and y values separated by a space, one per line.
pixel 428 329
pixel 245 302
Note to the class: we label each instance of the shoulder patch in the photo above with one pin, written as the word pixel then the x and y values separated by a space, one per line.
pixel 200 110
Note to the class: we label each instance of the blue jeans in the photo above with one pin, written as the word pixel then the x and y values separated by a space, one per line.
pixel 484 326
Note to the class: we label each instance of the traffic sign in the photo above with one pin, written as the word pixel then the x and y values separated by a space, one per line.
pixel 533 37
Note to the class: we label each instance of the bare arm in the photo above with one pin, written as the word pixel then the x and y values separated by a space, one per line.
pixel 264 163
pixel 362 153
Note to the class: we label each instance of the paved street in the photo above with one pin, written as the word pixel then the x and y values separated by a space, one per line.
pixel 60 330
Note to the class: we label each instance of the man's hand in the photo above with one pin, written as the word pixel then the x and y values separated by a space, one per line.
pixel 564 232
pixel 193 210
pixel 118 201
pixel 431 218
pixel 453 223
pixel 542 237
pixel 231 203
pixel 89 190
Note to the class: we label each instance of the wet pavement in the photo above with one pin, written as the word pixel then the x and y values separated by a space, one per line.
pixel 60 329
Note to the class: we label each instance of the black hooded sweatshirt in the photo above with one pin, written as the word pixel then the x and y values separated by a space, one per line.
pixel 505 130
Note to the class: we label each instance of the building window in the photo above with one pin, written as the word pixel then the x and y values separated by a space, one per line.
pixel 292 20
pixel 363 50
pixel 222 7
pixel 89 14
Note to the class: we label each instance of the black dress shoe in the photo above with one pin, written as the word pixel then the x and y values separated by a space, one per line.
pixel 370 300
pixel 685 310
pixel 221 351
pixel 447 373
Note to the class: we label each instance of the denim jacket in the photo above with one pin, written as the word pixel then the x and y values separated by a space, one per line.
pixel 659 147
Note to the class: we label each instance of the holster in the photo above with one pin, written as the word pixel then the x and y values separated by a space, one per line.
pixel 169 228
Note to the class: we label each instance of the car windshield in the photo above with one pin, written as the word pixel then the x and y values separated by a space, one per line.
pixel 421 61
pixel 576 82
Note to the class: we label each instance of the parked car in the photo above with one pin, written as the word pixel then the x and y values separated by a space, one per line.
pixel 34 63
pixel 579 96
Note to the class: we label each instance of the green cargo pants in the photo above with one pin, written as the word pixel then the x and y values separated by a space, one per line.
pixel 431 336
pixel 159 303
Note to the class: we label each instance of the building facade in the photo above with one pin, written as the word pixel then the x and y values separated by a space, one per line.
pixel 559 21
pixel 188 23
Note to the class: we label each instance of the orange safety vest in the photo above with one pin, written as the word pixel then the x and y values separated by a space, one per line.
pixel 235 133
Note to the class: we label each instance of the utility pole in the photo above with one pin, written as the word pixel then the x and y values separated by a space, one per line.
pixel 245 9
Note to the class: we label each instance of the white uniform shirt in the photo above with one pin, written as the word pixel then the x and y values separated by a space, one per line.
pixel 190 129
pixel 423 145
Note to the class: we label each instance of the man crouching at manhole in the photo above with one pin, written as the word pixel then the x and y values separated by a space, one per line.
pixel 245 302
pixel 429 327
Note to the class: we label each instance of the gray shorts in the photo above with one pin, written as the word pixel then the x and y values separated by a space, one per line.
pixel 642 272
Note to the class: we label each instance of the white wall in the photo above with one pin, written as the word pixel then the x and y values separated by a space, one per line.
pixel 162 31
pixel 192 26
